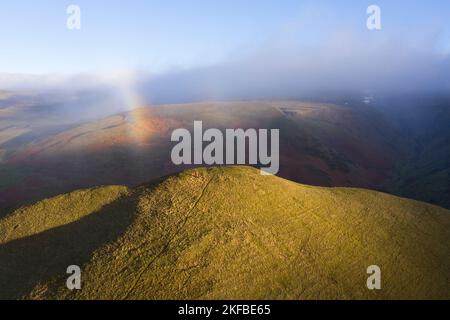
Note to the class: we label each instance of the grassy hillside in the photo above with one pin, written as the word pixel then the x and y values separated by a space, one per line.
pixel 225 233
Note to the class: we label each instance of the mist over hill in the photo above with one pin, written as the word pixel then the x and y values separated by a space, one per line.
pixel 121 124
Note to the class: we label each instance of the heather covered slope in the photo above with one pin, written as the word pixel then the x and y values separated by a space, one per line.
pixel 226 233
pixel 320 144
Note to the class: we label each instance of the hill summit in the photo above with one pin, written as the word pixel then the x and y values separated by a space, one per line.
pixel 225 233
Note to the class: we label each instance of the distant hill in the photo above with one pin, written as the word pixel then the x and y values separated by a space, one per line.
pixel 225 233
pixel 320 144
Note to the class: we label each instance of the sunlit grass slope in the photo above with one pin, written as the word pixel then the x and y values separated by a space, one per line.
pixel 226 233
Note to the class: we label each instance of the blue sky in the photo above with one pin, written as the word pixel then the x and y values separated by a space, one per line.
pixel 162 35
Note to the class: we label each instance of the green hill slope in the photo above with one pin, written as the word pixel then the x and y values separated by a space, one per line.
pixel 225 233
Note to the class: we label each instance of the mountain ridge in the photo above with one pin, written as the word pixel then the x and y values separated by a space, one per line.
pixel 228 233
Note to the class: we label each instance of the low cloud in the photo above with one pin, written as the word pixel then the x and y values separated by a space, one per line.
pixel 280 68
pixel 283 70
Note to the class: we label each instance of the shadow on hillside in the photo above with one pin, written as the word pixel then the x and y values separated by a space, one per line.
pixel 26 262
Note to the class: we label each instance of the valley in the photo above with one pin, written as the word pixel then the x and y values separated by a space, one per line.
pixel 319 144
